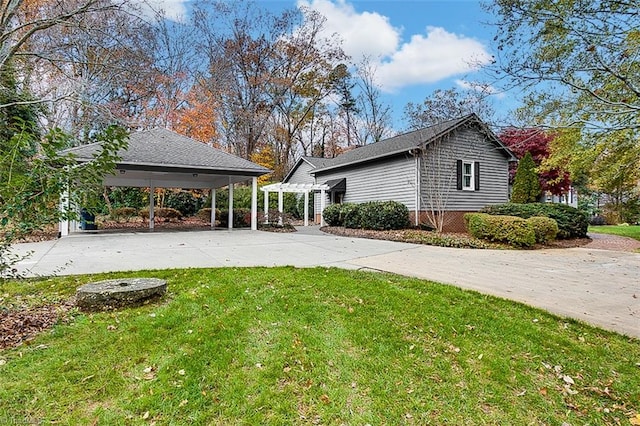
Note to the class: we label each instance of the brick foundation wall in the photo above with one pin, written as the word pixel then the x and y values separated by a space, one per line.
pixel 453 222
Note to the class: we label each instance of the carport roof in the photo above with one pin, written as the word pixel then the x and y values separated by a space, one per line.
pixel 163 150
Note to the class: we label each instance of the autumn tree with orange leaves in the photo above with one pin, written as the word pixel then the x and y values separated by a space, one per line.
pixel 196 119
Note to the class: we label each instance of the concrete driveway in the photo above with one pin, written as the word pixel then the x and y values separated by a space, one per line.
pixel 596 286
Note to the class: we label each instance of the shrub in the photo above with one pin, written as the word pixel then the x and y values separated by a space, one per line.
pixel 597 220
pixel 125 213
pixel 332 216
pixel 504 229
pixel 350 215
pixel 273 216
pixel 186 202
pixel 381 215
pixel 445 240
pixel 128 197
pixel 205 214
pixel 572 223
pixel 241 218
pixel 545 228
pixel 526 185
pixel 165 213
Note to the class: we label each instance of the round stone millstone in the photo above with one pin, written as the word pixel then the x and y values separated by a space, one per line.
pixel 117 293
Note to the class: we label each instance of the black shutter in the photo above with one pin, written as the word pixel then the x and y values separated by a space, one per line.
pixel 476 172
pixel 459 174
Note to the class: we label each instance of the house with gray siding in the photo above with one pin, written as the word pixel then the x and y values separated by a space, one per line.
pixel 439 172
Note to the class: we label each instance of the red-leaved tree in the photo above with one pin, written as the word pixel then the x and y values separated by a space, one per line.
pixel 536 141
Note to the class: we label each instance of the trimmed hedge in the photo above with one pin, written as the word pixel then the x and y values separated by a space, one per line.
pixel 378 215
pixel 161 212
pixel 205 214
pixel 125 213
pixel 545 228
pixel 331 215
pixel 350 215
pixel 503 229
pixel 384 215
pixel 572 223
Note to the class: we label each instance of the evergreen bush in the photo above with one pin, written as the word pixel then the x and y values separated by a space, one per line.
pixel 378 215
pixel 526 184
pixel 241 218
pixel 350 215
pixel 545 228
pixel 381 215
pixel 502 229
pixel 186 202
pixel 123 213
pixel 332 215
pixel 205 214
pixel 165 213
pixel 572 223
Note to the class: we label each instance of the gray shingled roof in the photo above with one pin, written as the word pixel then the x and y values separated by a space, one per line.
pixel 163 149
pixel 317 161
pixel 403 143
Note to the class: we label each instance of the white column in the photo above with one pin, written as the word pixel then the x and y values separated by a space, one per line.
pixel 63 225
pixel 230 204
pixel 306 208
pixel 418 190
pixel 322 204
pixel 152 191
pixel 280 206
pixel 213 208
pixel 266 206
pixel 254 204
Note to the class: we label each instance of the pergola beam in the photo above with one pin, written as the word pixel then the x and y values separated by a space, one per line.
pixel 297 188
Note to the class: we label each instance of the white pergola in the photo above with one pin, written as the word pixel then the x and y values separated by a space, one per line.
pixel 298 188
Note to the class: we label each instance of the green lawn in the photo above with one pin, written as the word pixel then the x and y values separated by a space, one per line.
pixel 314 346
pixel 622 230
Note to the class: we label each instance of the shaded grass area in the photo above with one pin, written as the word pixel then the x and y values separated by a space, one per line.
pixel 314 346
pixel 631 231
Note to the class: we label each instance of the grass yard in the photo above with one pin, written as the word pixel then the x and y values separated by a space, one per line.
pixel 314 346
pixel 631 231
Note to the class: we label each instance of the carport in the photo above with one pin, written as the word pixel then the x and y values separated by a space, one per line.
pixel 160 158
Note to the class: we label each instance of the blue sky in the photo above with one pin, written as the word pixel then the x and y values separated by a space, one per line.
pixel 419 45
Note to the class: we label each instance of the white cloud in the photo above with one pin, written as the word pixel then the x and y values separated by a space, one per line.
pixel 364 34
pixel 487 89
pixel 175 10
pixel 430 58
pixel 425 58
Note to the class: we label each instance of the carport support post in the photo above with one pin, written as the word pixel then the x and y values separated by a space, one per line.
pixel 152 191
pixel 213 208
pixel 306 208
pixel 280 206
pixel 230 204
pixel 254 204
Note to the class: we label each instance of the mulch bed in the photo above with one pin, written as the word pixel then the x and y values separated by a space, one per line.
pixel 400 235
pixel 19 326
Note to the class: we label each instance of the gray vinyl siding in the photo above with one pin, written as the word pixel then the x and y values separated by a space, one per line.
pixel 301 174
pixel 390 179
pixel 469 145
